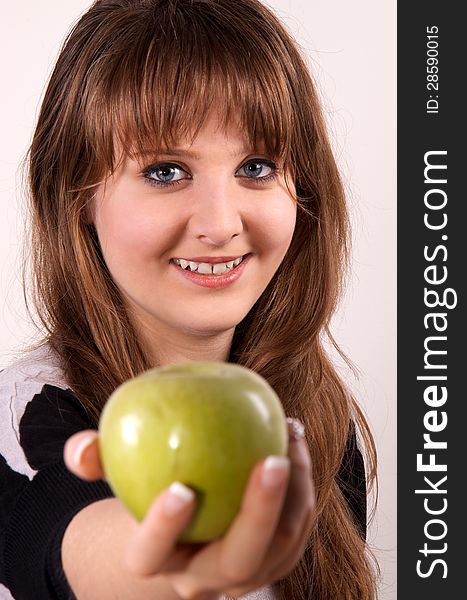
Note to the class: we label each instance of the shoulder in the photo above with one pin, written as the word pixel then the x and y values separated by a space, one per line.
pixel 38 495
pixel 35 402
pixel 29 373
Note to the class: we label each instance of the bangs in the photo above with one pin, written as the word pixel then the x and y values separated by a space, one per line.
pixel 160 77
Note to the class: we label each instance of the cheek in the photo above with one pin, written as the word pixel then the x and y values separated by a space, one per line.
pixel 122 235
pixel 277 226
pixel 133 235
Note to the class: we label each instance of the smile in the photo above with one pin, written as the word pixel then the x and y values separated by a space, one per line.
pixel 204 268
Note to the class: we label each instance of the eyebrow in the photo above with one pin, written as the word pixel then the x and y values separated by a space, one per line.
pixel 187 153
pixel 180 152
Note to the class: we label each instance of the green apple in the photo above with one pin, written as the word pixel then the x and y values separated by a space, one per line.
pixel 205 424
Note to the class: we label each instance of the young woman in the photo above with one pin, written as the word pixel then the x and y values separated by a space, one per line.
pixel 185 206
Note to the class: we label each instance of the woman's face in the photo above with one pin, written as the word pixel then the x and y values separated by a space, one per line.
pixel 193 236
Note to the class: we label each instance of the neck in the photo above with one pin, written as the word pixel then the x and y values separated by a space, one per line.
pixel 168 347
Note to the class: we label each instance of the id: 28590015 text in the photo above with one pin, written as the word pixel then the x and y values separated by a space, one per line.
pixel 432 70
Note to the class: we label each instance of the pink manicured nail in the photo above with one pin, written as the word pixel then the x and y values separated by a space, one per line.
pixel 177 498
pixel 275 470
pixel 83 445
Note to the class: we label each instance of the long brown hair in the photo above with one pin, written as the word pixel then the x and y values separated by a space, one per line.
pixel 137 75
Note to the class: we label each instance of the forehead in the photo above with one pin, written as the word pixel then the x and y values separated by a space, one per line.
pixel 212 130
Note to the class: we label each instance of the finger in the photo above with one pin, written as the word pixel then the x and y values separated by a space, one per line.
pixel 81 455
pixel 231 560
pixel 298 513
pixel 248 538
pixel 300 498
pixel 157 535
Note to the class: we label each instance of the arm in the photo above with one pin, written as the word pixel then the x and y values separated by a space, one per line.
pixel 104 549
pixel 92 551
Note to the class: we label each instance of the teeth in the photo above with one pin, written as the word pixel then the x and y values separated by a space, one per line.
pixel 220 269
pixel 206 268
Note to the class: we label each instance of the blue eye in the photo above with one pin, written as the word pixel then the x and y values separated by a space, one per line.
pixel 165 174
pixel 258 170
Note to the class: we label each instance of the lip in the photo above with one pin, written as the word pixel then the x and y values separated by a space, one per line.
pixel 214 281
pixel 212 260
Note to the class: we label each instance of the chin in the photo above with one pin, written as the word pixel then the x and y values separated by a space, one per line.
pixel 213 326
pixel 211 329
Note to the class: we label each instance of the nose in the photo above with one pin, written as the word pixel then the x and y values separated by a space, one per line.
pixel 217 217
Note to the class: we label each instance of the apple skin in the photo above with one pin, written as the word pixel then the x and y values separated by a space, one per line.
pixel 205 424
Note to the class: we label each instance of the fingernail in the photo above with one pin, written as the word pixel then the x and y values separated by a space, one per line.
pixel 177 498
pixel 296 429
pixel 83 445
pixel 275 470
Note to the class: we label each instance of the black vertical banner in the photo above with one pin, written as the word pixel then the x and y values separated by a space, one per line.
pixel 432 269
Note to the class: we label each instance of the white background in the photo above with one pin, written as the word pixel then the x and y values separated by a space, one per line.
pixel 352 51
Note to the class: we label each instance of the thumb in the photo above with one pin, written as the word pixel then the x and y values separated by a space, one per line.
pixel 81 455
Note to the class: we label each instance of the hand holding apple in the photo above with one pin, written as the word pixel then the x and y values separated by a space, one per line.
pixel 263 544
pixel 205 425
